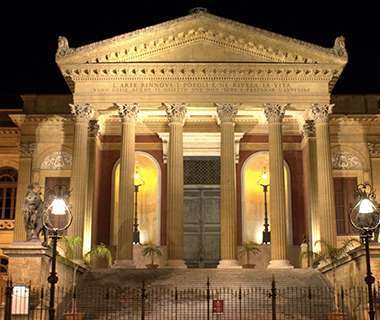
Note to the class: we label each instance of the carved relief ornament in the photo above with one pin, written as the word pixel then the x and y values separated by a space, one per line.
pixel 321 112
pixel 58 160
pixel 374 149
pixel 309 128
pixel 274 112
pixel 128 111
pixel 344 160
pixel 82 112
pixel 227 111
pixel 176 112
pixel 27 149
pixel 93 128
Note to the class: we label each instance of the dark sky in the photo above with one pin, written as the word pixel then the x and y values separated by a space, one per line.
pixel 29 34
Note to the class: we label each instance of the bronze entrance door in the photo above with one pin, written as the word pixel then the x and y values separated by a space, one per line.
pixel 201 226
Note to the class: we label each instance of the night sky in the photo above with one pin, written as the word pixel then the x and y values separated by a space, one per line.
pixel 29 34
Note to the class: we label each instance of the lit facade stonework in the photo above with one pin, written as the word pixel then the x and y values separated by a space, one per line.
pixel 196 88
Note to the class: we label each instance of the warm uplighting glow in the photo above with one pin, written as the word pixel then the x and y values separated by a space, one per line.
pixel 366 206
pixel 138 180
pixel 58 207
pixel 264 178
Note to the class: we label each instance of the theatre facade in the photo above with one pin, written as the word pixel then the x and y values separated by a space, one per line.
pixel 200 107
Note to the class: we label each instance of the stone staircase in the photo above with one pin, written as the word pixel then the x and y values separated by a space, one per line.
pixel 197 278
pixel 182 294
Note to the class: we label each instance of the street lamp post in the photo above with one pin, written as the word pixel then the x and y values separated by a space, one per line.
pixel 365 218
pixel 138 182
pixel 264 182
pixel 57 218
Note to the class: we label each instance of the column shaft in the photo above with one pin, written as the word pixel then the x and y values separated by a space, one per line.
pixel 277 204
pixel 326 197
pixel 24 180
pixel 176 115
pixel 79 173
pixel 124 253
pixel 228 219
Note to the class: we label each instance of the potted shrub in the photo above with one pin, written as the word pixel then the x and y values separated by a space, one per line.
pixel 249 248
pixel 99 256
pixel 151 250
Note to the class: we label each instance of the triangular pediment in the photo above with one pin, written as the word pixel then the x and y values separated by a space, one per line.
pixel 201 37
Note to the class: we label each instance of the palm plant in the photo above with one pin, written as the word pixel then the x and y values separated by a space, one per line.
pixel 69 244
pixel 99 253
pixel 249 248
pixel 331 254
pixel 151 250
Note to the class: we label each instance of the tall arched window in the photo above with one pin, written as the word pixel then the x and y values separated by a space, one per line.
pixel 8 186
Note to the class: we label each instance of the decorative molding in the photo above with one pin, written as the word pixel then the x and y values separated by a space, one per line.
pixel 93 128
pixel 374 149
pixel 227 111
pixel 82 112
pixel 242 39
pixel 320 112
pixel 344 160
pixel 27 149
pixel 176 112
pixel 308 129
pixel 128 111
pixel 274 112
pixel 59 160
pixel 7 225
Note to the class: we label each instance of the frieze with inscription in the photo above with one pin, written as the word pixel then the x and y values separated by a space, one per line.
pixel 203 87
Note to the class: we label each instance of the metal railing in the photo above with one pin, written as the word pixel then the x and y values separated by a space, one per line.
pixel 163 303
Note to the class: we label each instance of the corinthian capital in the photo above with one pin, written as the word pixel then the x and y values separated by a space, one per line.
pixel 274 112
pixel 227 111
pixel 82 111
pixel 128 111
pixel 176 112
pixel 321 112
pixel 309 128
pixel 27 149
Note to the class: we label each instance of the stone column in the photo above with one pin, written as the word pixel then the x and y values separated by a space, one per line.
pixel 326 197
pixel 309 154
pixel 24 180
pixel 277 206
pixel 89 220
pixel 124 251
pixel 176 113
pixel 228 228
pixel 79 172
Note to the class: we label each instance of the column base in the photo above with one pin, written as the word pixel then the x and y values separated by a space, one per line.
pixel 123 264
pixel 280 264
pixel 229 264
pixel 176 264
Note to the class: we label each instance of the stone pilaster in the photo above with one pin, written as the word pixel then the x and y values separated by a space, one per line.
pixel 277 205
pixel 309 155
pixel 326 197
pixel 24 179
pixel 79 172
pixel 228 227
pixel 124 252
pixel 90 216
pixel 176 113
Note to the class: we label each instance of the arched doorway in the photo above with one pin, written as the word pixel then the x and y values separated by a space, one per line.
pixel 149 200
pixel 253 198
